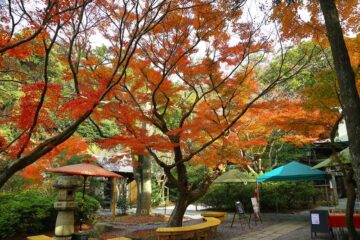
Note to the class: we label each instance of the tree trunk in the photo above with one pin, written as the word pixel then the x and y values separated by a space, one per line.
pixel 349 182
pixel 177 215
pixel 142 174
pixel 186 196
pixel 351 196
pixel 346 78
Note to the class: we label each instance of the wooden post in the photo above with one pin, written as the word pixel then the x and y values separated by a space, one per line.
pixel 113 199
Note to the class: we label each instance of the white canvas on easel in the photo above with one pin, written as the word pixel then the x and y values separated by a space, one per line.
pixel 256 209
pixel 255 205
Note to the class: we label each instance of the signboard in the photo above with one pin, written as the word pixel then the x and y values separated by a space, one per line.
pixel 255 205
pixel 239 207
pixel 319 222
pixel 256 209
pixel 240 210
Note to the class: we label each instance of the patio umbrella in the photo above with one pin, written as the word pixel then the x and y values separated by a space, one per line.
pixel 235 176
pixel 344 157
pixel 86 170
pixel 293 171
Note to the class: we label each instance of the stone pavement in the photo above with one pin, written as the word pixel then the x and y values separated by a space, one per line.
pixel 282 226
pixel 273 231
pixel 274 226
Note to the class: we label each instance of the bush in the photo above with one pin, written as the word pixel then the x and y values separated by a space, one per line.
pixel 123 201
pixel 224 196
pixel 155 193
pixel 91 206
pixel 32 212
pixel 25 212
pixel 286 195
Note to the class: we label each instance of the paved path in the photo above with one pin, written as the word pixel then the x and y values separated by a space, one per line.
pixel 274 227
pixel 272 232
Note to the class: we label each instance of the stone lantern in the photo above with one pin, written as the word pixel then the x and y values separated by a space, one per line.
pixel 65 204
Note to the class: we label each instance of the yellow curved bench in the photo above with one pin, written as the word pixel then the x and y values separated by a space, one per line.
pixel 220 215
pixel 197 231
pixel 120 238
pixel 39 237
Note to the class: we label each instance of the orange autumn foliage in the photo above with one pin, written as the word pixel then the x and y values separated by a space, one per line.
pixel 303 19
pixel 175 78
pixel 73 146
pixel 55 74
pixel 176 97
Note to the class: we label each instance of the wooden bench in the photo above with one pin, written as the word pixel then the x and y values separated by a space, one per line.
pixel 39 237
pixel 199 231
pixel 219 215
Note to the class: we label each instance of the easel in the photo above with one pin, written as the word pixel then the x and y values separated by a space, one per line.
pixel 239 209
pixel 256 209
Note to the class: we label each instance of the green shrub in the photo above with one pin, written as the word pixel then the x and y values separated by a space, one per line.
pixel 123 201
pixel 15 183
pixel 91 206
pixel 155 193
pixel 27 212
pixel 33 212
pixel 281 195
pixel 287 195
pixel 224 196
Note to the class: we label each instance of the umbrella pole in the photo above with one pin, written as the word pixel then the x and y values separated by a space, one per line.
pixel 258 194
pixel 228 190
pixel 277 203
pixel 82 204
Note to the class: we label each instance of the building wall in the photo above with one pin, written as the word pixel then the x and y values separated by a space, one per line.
pixel 132 193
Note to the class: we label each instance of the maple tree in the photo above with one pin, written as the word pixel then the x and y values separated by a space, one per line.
pixel 331 33
pixel 49 110
pixel 287 115
pixel 324 95
pixel 186 69
pixel 192 83
pixel 283 121
pixel 340 17
pixel 349 94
